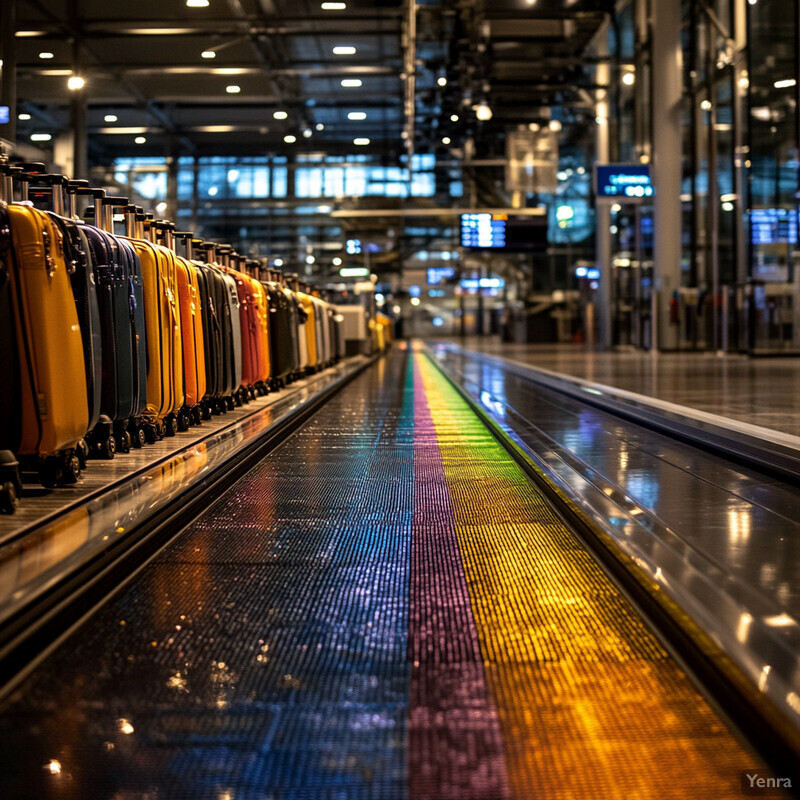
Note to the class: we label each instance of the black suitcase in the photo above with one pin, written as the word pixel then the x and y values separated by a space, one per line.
pixel 283 343
pixel 214 302
pixel 122 325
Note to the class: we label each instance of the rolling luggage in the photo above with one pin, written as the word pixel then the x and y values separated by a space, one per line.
pixel 217 330
pixel 51 403
pixel 189 299
pixel 164 387
pixel 233 313
pixel 48 193
pixel 122 325
pixel 261 305
pixel 255 369
pixel 282 330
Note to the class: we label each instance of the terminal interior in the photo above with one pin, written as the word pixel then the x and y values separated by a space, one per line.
pixel 496 493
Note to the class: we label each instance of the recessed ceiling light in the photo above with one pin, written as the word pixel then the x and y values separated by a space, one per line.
pixel 446 140
pixel 197 3
pixel 554 125
pixel 233 89
pixel 24 117
pixel 308 133
pixel 334 6
pixel 357 115
pixel 75 82
pixel 361 141
pixel 41 137
pixel 344 50
pixel 337 262
pixel 320 127
pixel 454 118
pixel 208 54
pixel 289 138
pixel 280 114
pixel 110 118
pixel 442 81
pixel 351 82
pixel 140 140
pixel 46 55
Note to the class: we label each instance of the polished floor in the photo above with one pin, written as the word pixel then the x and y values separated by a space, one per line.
pixel 384 607
pixel 760 391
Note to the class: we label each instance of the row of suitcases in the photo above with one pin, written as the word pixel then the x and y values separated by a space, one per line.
pixel 116 329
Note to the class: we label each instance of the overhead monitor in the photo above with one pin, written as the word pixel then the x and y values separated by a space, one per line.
pixel 487 231
pixel 773 226
pixel 437 275
pixel 5 115
pixel 623 183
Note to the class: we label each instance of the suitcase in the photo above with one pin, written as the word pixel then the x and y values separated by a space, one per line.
pixel 53 407
pixel 122 325
pixel 194 357
pixel 282 330
pixel 48 193
pixel 218 336
pixel 311 331
pixel 250 268
pixel 164 390
pixel 232 313
pixel 255 369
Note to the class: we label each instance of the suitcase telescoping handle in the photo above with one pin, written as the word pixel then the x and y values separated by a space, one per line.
pixel 8 171
pixel 109 205
pixel 72 194
pixel 94 214
pixel 165 232
pixel 185 240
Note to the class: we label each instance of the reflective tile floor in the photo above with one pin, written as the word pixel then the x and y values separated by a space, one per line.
pixel 384 607
pixel 761 391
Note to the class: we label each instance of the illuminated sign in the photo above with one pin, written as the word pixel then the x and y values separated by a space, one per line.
pixel 354 272
pixel 486 231
pixel 623 183
pixel 353 247
pixel 5 114
pixel 437 275
pixel 773 226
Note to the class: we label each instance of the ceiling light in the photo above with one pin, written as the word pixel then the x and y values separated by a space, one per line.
pixel 533 127
pixel 29 34
pixel 140 140
pixel 351 83
pixel 337 262
pixel 289 139
pixel 334 6
pixel 197 3
pixel 628 78
pixel 208 54
pixel 706 105
pixel 233 89
pixel 442 81
pixel 75 82
pixel 41 137
pixel 344 50
pixel 308 133
pixel 415 301
pixel 554 125
pixel 45 55
pixel 483 112
pixel 446 140
pixel 454 118
pixel 110 118
pixel 785 84
pixel 320 127
pixel 278 262
pixel 310 259
pixel 361 141
pixel 280 114
pixel 23 117
pixel 357 115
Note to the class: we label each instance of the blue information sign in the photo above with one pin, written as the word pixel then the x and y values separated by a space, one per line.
pixel 5 115
pixel 773 225
pixel 623 183
pixel 514 233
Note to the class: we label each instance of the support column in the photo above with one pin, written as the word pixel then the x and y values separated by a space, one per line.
pixel 603 210
pixel 172 186
pixel 80 137
pixel 667 139
pixel 8 53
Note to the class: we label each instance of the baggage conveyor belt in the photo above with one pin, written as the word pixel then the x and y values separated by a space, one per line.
pixel 383 607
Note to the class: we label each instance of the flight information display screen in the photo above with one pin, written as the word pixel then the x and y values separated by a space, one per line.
pixel 485 231
pixel 773 226
pixel 624 183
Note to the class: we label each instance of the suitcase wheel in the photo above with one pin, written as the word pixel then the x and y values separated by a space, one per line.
pixel 82 451
pixel 9 500
pixel 109 448
pixel 196 415
pixel 125 442
pixel 230 403
pixel 71 469
pixel 170 426
pixel 50 472
pixel 139 437
pixel 150 434
pixel 184 421
pixel 206 412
